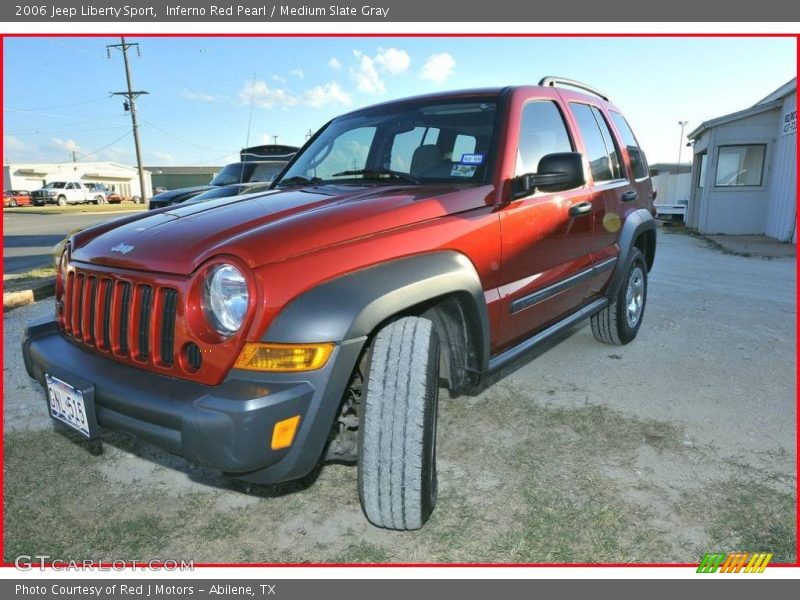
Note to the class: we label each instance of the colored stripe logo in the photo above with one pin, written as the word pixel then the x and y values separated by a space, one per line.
pixel 734 562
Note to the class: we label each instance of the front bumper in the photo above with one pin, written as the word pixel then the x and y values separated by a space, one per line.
pixel 226 427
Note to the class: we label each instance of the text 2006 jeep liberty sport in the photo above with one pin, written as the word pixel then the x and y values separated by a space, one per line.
pixel 418 243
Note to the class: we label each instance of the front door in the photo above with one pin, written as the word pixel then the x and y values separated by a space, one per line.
pixel 547 237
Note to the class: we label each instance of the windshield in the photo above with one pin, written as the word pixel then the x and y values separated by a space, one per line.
pixel 233 173
pixel 56 184
pixel 411 143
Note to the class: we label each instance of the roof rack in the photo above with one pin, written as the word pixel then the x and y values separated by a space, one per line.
pixel 554 81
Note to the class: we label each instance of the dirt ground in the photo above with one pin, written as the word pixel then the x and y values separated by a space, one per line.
pixel 680 443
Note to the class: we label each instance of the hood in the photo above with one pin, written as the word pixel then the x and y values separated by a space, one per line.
pixel 267 227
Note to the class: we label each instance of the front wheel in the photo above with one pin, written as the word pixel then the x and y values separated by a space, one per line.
pixel 397 481
pixel 13 203
pixel 62 201
pixel 619 322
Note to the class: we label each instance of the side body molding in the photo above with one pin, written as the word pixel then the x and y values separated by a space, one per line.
pixel 355 304
pixel 636 223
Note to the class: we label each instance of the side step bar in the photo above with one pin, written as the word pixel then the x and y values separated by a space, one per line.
pixel 504 358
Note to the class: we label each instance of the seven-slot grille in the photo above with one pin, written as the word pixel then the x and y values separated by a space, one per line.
pixel 122 316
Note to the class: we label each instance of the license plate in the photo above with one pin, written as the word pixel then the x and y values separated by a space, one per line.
pixel 67 405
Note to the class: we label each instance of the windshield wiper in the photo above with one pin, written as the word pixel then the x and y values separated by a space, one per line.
pixel 379 174
pixel 297 180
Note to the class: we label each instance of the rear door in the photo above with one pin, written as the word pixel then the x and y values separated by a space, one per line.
pixel 546 250
pixel 615 191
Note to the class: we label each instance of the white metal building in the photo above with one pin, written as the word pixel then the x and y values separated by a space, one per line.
pixel 744 174
pixel 31 176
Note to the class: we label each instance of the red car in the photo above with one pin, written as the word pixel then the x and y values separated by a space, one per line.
pixel 16 198
pixel 415 244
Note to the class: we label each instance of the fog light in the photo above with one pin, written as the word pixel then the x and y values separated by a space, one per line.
pixel 283 357
pixel 283 433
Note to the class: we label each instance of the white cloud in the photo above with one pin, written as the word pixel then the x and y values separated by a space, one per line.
pixel 298 73
pixel 268 97
pixel 393 61
pixel 327 93
pixel 265 96
pixel 438 67
pixel 365 75
pixel 68 145
pixel 202 96
pixel 12 143
pixel 369 69
pixel 163 157
pixel 278 78
pixel 334 63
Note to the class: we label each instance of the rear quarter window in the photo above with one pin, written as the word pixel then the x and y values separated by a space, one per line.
pixel 635 154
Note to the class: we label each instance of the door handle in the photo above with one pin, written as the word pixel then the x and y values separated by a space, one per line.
pixel 629 196
pixel 582 208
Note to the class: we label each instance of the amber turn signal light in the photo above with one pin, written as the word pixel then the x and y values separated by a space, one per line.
pixel 283 358
pixel 283 433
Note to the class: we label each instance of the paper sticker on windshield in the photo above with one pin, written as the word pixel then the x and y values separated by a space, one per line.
pixel 472 159
pixel 463 171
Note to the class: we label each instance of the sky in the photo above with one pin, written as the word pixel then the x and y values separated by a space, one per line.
pixel 209 97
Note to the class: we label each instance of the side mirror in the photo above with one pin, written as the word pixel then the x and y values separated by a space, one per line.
pixel 556 172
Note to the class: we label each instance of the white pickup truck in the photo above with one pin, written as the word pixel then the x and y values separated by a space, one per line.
pixel 68 192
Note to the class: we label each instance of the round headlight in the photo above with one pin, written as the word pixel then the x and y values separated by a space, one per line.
pixel 225 298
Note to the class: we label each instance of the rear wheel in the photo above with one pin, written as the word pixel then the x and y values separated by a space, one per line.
pixel 619 322
pixel 397 481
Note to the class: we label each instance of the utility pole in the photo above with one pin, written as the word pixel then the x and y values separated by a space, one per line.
pixel 683 125
pixel 275 140
pixel 130 105
pixel 74 157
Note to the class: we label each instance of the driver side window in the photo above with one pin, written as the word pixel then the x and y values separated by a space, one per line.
pixel 542 132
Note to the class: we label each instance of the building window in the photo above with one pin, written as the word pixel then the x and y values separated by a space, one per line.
pixel 701 175
pixel 740 165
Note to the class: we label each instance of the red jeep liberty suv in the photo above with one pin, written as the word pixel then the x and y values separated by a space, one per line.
pixel 420 243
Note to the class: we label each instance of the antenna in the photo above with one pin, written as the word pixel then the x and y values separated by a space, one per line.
pixel 249 123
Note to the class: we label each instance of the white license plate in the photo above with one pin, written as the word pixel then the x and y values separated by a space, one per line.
pixel 66 404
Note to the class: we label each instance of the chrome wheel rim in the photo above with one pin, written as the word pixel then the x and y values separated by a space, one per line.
pixel 634 297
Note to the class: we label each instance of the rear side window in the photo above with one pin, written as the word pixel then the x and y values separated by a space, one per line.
pixel 603 155
pixel 638 161
pixel 542 132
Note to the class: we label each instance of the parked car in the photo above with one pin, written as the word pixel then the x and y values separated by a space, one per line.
pixel 67 192
pixel 99 191
pixel 116 198
pixel 422 242
pixel 176 196
pixel 236 189
pixel 232 174
pixel 16 198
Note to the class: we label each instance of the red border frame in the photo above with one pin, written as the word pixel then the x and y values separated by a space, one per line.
pixel 100 565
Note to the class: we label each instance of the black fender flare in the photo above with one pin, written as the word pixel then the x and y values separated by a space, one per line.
pixel 636 223
pixel 354 304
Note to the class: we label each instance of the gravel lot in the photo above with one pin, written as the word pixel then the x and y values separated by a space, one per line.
pixel 681 442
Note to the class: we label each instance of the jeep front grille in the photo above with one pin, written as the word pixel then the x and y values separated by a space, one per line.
pixel 124 317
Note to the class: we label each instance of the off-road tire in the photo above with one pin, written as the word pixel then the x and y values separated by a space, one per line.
pixel 610 325
pixel 397 481
pixel 62 201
